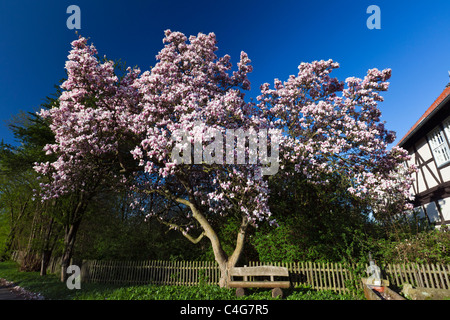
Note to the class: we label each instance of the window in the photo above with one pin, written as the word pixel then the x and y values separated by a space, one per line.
pixel 439 147
pixel 446 125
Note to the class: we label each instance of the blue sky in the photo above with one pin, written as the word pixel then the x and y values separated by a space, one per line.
pixel 414 41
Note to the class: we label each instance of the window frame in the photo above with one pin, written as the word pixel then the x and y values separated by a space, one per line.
pixel 438 140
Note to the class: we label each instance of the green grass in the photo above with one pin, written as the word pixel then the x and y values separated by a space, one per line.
pixel 49 286
pixel 52 288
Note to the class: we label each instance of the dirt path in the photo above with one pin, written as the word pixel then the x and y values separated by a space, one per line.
pixel 6 294
pixel 10 291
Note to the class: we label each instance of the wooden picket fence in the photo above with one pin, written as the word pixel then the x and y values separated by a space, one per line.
pixel 182 273
pixel 435 276
pixel 320 276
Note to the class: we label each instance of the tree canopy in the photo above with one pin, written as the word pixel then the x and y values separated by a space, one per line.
pixel 146 133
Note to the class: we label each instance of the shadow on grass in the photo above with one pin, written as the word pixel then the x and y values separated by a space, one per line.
pixel 52 288
pixel 49 286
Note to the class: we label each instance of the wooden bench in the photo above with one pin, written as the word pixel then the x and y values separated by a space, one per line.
pixel 253 277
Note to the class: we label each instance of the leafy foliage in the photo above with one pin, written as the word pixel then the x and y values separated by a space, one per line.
pixel 425 247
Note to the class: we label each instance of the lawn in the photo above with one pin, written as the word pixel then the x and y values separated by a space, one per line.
pixel 51 288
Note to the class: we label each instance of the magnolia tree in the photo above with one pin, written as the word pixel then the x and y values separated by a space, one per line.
pixel 332 127
pixel 184 134
pixel 90 125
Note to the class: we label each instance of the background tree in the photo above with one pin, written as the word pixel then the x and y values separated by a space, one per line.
pixel 31 223
pixel 316 222
pixel 89 137
pixel 112 230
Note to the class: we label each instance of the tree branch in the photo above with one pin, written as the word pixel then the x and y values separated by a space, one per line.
pixel 209 232
pixel 239 242
pixel 183 232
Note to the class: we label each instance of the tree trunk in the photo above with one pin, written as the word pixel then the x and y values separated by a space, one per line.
pixel 48 246
pixel 6 253
pixel 69 242
pixel 31 258
pixel 45 260
pixel 70 233
pixel 234 258
pixel 225 262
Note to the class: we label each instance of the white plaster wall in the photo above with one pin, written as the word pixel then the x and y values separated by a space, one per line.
pixel 444 204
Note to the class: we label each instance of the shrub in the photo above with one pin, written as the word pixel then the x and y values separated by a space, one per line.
pixel 425 247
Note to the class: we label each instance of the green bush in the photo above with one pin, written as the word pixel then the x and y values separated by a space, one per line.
pixel 425 247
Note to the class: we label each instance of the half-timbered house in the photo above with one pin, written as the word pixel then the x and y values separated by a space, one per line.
pixel 428 143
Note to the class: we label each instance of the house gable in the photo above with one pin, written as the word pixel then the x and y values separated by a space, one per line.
pixel 428 143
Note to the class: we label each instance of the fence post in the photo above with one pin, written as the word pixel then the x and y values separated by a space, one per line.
pixel 435 277
pixel 430 276
pixel 445 272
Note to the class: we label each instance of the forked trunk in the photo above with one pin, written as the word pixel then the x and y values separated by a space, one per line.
pixel 225 262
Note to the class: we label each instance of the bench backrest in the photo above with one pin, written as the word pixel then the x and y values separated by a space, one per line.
pixel 259 271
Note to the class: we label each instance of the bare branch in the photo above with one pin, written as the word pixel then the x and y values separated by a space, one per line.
pixel 183 231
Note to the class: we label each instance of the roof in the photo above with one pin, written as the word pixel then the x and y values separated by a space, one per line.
pixel 433 108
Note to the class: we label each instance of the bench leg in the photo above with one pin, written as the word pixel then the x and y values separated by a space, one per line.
pixel 240 292
pixel 277 292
